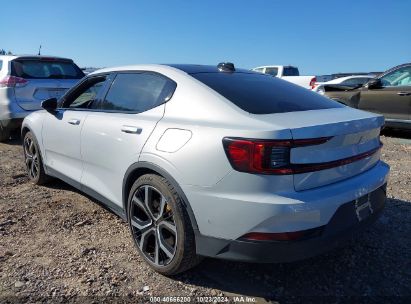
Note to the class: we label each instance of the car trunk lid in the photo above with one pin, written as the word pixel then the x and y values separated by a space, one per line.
pixel 352 144
pixel 42 78
pixel 30 96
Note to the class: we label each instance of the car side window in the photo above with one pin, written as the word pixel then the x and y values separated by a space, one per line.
pixel 355 81
pixel 1 64
pixel 138 92
pixel 84 97
pixel 400 77
pixel 271 71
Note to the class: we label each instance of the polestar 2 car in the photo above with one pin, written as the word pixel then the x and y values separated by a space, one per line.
pixel 213 161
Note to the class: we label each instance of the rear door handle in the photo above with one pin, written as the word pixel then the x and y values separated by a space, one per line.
pixel 404 93
pixel 74 121
pixel 131 129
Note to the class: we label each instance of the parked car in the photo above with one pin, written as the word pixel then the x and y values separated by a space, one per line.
pixel 388 94
pixel 289 73
pixel 213 161
pixel 353 81
pixel 27 80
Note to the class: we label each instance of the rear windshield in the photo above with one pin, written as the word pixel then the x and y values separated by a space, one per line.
pixel 291 71
pixel 39 69
pixel 262 94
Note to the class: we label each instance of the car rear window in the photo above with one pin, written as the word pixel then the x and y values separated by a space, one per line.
pixel 42 69
pixel 290 71
pixel 258 93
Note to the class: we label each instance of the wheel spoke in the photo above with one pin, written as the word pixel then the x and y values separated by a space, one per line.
pixel 143 238
pixel 27 147
pixel 143 207
pixel 169 226
pixel 166 248
pixel 161 208
pixel 32 169
pixel 157 251
pixel 140 225
pixel 36 162
pixel 148 194
pixel 31 147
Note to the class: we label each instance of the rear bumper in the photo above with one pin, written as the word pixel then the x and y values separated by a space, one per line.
pixel 398 123
pixel 343 225
pixel 11 116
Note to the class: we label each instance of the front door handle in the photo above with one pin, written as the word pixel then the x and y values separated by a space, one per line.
pixel 131 129
pixel 404 93
pixel 74 121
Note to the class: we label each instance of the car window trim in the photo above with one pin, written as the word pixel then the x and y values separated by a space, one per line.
pixel 79 85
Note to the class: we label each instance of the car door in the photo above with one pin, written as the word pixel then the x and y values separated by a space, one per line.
pixel 61 130
pixel 392 98
pixel 113 136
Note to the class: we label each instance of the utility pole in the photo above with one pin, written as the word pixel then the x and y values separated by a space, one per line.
pixel 39 50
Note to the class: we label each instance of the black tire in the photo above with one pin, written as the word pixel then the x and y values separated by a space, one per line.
pixel 172 213
pixel 33 160
pixel 4 134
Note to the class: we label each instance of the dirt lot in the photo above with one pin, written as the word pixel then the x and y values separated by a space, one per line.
pixel 57 244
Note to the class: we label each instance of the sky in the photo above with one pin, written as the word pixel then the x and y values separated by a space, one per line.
pixel 319 37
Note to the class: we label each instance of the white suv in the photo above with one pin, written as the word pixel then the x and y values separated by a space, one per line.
pixel 213 161
pixel 27 80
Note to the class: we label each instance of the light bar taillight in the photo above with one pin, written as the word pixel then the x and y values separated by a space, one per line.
pixel 264 156
pixel 12 81
pixel 273 157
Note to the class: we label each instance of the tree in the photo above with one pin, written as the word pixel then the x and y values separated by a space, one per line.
pixel 4 52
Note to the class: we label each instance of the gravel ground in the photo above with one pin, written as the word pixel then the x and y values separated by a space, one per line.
pixel 57 244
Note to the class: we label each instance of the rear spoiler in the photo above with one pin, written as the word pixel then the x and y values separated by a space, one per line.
pixel 44 58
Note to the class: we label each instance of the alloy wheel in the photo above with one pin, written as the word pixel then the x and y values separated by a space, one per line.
pixel 31 157
pixel 153 225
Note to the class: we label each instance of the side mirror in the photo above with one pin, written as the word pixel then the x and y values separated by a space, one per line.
pixel 50 105
pixel 374 84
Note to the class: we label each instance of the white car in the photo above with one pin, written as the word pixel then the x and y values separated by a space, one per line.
pixel 213 161
pixel 27 80
pixel 348 81
pixel 288 73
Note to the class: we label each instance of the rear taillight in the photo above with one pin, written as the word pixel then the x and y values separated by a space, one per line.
pixel 273 157
pixel 313 82
pixel 12 81
pixel 263 156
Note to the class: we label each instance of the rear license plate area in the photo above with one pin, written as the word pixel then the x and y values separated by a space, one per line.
pixel 363 207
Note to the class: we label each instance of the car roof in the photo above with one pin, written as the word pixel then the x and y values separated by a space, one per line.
pixel 354 76
pixel 275 66
pixel 11 57
pixel 394 68
pixel 187 68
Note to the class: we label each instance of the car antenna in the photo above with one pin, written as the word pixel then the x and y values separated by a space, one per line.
pixel 39 50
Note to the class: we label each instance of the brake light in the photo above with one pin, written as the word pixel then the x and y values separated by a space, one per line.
pixel 273 157
pixel 48 59
pixel 312 82
pixel 263 156
pixel 13 81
